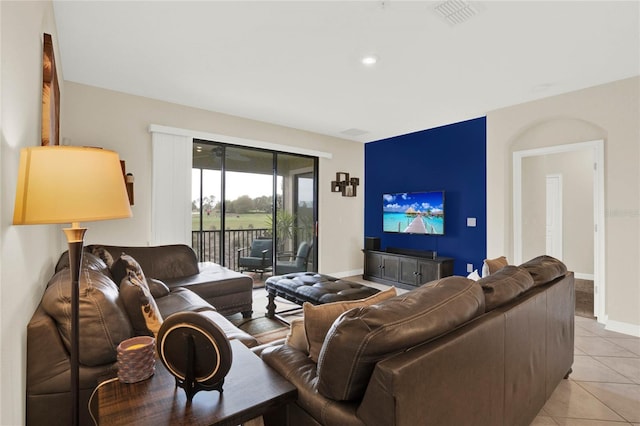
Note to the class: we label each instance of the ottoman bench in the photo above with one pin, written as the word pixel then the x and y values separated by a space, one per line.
pixel 300 287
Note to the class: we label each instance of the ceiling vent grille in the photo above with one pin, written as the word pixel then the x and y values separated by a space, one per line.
pixel 456 11
pixel 354 132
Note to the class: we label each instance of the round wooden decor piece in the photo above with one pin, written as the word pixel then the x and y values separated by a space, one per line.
pixel 195 350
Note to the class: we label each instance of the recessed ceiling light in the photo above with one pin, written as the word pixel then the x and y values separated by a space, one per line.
pixel 369 60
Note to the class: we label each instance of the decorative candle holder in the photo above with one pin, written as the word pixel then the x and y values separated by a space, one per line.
pixel 136 359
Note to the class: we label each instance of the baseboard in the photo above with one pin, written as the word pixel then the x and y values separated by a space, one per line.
pixel 346 273
pixel 581 276
pixel 623 327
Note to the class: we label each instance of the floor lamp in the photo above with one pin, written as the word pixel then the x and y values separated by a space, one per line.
pixel 63 184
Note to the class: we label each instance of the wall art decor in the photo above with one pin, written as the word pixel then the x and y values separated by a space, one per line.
pixel 50 95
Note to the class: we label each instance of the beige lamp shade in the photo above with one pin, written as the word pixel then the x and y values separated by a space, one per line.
pixel 65 184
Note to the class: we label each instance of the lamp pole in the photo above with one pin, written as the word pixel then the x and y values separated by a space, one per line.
pixel 75 240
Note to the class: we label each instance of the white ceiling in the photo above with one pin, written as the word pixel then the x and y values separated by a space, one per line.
pixel 296 63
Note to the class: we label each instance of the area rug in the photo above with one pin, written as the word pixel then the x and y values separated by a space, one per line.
pixel 258 281
pixel 264 329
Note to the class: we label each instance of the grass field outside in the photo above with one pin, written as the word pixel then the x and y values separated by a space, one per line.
pixel 232 221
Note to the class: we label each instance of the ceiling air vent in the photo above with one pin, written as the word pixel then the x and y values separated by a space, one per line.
pixel 456 11
pixel 354 132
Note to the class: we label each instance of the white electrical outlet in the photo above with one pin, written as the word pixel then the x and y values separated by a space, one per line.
pixel 469 267
pixel 471 222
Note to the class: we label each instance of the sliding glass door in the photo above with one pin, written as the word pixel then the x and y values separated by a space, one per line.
pixel 295 214
pixel 206 206
pixel 246 198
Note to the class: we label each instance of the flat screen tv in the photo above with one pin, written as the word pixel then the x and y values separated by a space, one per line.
pixel 413 212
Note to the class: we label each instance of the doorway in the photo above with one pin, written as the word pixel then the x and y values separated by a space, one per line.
pixel 530 214
pixel 245 197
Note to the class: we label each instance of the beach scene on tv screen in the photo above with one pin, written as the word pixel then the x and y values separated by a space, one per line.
pixel 414 213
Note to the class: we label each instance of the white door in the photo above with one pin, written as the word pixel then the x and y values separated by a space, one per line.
pixel 554 216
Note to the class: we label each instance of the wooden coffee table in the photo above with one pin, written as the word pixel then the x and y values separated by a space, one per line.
pixel 251 389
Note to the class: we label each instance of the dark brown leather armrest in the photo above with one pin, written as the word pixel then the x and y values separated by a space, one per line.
pixel 47 358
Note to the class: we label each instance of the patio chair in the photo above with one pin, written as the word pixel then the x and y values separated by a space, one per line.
pixel 259 258
pixel 297 263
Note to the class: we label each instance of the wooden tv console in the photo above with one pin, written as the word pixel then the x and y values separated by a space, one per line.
pixel 405 268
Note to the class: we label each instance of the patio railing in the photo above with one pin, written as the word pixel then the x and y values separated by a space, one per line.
pixel 206 243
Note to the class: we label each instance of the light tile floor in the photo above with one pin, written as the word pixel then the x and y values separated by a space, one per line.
pixel 604 388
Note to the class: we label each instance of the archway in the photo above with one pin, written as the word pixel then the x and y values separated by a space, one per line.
pixel 596 150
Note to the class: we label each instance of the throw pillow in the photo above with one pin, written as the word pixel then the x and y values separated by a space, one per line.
pixel 474 275
pixel 319 318
pixel 136 295
pixel 89 261
pixel 119 269
pixel 493 265
pixel 296 337
pixel 158 288
pixel 103 254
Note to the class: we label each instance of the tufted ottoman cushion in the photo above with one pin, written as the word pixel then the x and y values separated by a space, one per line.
pixel 317 289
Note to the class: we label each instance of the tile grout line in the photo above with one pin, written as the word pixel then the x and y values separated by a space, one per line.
pixel 601 401
pixel 593 357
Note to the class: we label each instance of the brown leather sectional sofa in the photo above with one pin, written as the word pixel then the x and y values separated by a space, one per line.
pixel 177 266
pixel 104 321
pixel 452 352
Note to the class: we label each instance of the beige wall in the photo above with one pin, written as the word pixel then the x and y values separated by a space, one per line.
pixel 610 112
pixel 28 253
pixel 576 169
pixel 120 122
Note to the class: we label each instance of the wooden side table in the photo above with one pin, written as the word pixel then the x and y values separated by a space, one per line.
pixel 251 389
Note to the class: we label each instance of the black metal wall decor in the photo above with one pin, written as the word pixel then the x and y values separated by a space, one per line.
pixel 347 186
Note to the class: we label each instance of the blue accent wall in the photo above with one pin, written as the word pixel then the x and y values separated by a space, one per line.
pixel 450 158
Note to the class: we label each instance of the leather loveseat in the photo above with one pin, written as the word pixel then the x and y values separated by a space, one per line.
pixel 452 352
pixel 106 319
